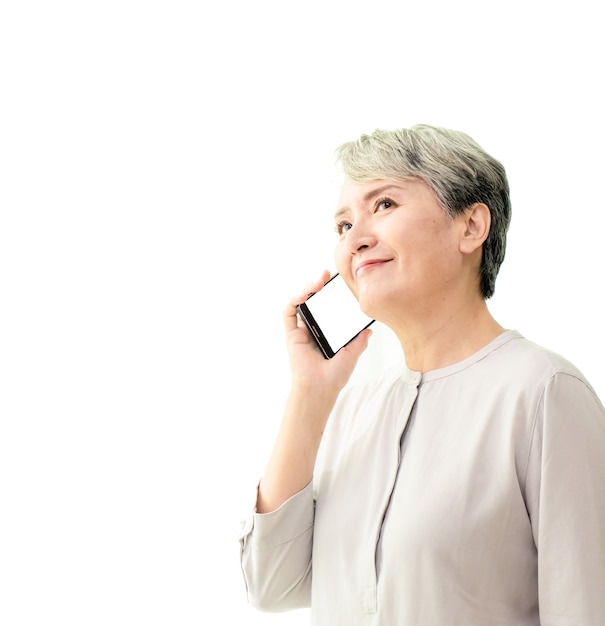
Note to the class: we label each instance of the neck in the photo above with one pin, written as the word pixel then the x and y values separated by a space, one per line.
pixel 434 341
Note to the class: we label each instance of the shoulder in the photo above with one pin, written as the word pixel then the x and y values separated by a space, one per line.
pixel 362 394
pixel 361 405
pixel 520 359
pixel 562 391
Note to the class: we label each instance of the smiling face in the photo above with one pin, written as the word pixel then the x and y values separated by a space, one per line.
pixel 398 250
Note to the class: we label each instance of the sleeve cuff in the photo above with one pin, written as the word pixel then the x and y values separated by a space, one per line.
pixel 287 522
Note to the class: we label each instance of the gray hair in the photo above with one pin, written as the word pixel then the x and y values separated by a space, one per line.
pixel 453 164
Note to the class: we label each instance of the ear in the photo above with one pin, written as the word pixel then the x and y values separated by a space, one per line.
pixel 477 220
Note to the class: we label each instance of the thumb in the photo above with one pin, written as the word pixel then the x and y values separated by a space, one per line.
pixel 359 344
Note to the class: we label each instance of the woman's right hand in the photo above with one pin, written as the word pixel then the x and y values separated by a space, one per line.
pixel 309 368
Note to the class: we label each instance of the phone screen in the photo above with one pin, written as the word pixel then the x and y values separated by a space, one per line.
pixel 333 316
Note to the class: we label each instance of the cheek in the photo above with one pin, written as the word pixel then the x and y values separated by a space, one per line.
pixel 435 237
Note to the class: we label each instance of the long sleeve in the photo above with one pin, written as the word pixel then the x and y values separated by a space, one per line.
pixel 473 494
pixel 276 553
pixel 566 501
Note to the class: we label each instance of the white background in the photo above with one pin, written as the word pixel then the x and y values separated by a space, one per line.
pixel 166 184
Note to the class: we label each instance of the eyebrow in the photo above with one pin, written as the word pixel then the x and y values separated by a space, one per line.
pixel 367 197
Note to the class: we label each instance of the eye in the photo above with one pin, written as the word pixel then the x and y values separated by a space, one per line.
pixel 383 203
pixel 342 227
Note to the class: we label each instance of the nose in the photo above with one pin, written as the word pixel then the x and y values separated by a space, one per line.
pixel 359 237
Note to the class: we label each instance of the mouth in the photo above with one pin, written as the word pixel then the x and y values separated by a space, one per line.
pixel 369 265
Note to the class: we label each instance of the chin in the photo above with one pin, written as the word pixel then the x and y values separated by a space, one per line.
pixel 368 306
pixel 379 304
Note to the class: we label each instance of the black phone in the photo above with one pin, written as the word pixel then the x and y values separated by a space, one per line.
pixel 333 316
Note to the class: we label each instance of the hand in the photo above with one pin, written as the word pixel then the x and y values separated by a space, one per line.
pixel 308 365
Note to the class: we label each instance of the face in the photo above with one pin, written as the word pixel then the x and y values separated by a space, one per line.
pixel 398 250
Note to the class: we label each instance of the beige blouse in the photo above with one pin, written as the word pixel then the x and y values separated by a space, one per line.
pixel 472 495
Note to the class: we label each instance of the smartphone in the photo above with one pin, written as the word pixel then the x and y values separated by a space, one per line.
pixel 333 316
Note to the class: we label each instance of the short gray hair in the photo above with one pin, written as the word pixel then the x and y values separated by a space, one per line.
pixel 453 164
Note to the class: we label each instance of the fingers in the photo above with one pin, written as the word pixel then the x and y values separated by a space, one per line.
pixel 315 286
pixel 290 316
pixel 358 345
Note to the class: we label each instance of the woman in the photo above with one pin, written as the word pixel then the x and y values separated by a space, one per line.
pixel 466 487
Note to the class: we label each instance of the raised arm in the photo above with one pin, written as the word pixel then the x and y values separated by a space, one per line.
pixel 315 385
pixel 277 541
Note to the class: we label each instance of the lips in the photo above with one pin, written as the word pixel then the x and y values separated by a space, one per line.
pixel 368 265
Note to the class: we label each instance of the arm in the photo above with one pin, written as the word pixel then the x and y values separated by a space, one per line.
pixel 316 383
pixel 568 458
pixel 277 542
